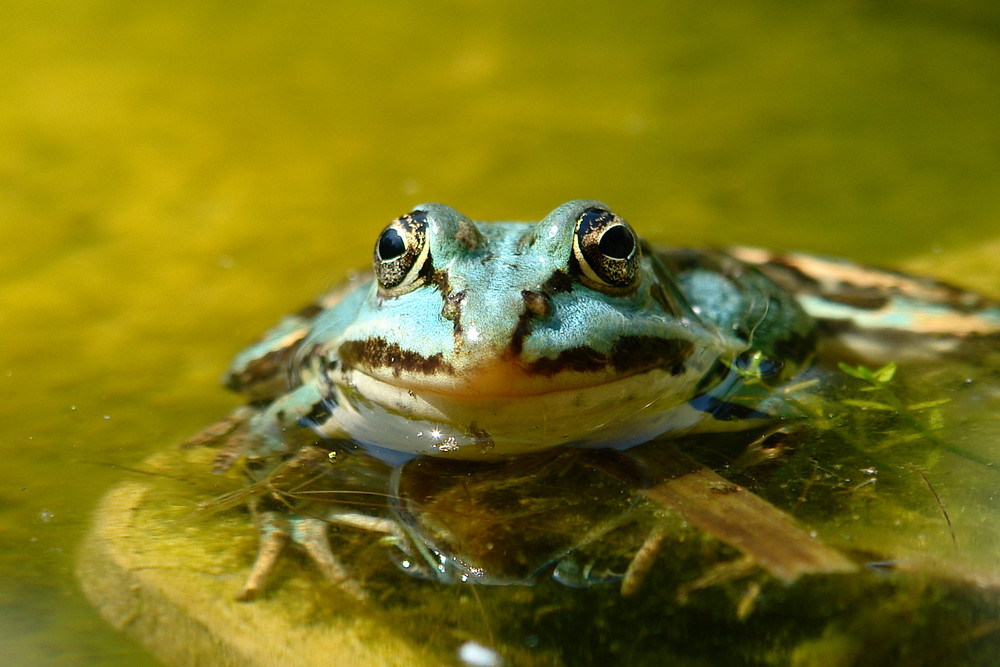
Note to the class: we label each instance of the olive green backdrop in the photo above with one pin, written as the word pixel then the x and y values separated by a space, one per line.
pixel 175 175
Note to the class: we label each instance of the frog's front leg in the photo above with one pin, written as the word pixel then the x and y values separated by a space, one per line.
pixel 282 454
pixel 285 430
pixel 276 429
pixel 291 422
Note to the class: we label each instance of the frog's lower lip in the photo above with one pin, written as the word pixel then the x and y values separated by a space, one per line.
pixel 494 421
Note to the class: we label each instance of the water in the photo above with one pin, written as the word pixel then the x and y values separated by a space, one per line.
pixel 173 177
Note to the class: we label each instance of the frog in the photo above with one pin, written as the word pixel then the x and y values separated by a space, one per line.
pixel 472 341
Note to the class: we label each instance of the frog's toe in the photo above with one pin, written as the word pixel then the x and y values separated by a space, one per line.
pixel 311 534
pixel 643 561
pixel 273 538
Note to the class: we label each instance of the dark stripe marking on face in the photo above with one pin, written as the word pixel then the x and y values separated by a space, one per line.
pixel 559 281
pixel 536 306
pixel 452 310
pixel 378 353
pixel 629 354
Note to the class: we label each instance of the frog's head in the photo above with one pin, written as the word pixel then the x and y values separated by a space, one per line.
pixel 516 336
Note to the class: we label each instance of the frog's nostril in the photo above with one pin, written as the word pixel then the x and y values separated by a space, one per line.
pixel 536 303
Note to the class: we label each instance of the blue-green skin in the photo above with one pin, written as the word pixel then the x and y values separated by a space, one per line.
pixel 732 328
pixel 500 343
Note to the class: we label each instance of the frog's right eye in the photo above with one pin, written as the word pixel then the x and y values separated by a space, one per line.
pixel 401 251
pixel 606 251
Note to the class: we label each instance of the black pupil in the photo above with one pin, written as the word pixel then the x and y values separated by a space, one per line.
pixel 390 245
pixel 617 243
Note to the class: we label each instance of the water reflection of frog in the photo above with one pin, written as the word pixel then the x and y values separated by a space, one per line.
pixel 495 341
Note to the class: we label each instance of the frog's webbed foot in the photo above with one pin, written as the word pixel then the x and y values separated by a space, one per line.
pixel 310 533
pixel 721 573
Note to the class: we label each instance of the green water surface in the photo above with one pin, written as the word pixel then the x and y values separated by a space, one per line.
pixel 174 176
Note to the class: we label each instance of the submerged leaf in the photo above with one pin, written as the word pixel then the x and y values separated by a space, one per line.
pixel 880 376
pixel 867 405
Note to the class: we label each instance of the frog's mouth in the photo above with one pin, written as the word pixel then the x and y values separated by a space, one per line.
pixel 395 400
pixel 507 375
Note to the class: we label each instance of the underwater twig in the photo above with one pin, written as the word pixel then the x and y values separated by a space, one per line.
pixel 736 516
pixel 951 529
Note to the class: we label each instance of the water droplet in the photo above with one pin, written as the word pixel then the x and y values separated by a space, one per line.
pixel 477 655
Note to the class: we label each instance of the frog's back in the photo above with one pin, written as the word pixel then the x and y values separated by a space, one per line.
pixel 268 367
pixel 873 314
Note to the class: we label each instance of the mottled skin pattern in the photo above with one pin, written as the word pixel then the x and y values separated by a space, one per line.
pixel 489 340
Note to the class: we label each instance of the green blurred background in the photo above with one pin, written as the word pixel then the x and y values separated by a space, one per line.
pixel 175 175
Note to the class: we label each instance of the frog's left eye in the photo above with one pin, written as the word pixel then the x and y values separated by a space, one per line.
pixel 401 251
pixel 606 250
